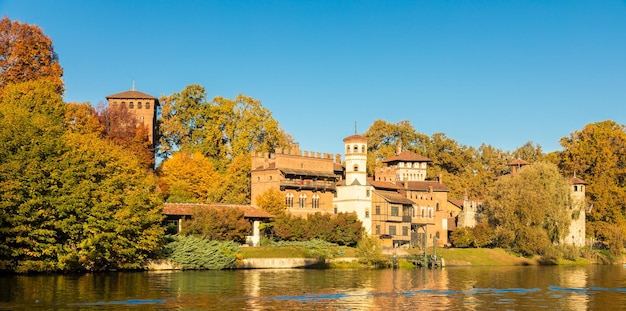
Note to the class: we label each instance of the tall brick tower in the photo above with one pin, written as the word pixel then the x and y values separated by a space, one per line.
pixel 142 105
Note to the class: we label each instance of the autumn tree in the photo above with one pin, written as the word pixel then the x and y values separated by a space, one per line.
pixel 82 118
pixel 26 53
pixel 220 129
pixel 68 200
pixel 120 126
pixel 532 207
pixel 272 201
pixel 189 177
pixel 597 154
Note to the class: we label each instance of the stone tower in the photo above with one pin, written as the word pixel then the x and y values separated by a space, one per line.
pixel 142 105
pixel 576 235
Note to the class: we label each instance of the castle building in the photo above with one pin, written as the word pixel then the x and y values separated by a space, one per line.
pixel 307 180
pixel 142 105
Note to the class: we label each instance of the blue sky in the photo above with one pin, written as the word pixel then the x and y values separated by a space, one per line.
pixel 496 72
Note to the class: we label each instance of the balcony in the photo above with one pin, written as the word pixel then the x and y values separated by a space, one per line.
pixel 308 185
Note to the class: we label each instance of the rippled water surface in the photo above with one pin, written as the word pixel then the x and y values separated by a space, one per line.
pixel 450 288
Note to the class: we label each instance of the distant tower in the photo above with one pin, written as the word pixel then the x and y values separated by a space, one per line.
pixel 356 159
pixel 576 235
pixel 142 105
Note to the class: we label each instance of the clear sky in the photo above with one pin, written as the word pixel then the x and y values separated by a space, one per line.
pixel 496 72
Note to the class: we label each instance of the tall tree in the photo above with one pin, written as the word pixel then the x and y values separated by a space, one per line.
pixel 220 129
pixel 597 154
pixel 26 53
pixel 530 209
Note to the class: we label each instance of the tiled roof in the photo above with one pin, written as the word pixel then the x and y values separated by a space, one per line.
pixel 382 184
pixel 407 156
pixel 577 181
pixel 393 197
pixel 132 94
pixel 355 138
pixel 425 186
pixel 518 162
pixel 187 209
pixel 458 202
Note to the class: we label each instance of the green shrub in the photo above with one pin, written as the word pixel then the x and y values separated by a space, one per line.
pixel 194 253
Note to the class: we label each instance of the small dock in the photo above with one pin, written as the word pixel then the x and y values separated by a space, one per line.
pixel 426 260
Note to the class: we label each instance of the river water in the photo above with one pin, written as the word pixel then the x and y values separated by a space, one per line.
pixel 450 288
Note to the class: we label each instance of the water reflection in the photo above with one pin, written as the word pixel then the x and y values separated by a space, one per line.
pixel 451 288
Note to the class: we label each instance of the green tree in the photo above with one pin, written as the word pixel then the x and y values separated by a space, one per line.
pixel 533 201
pixel 26 54
pixel 220 224
pixel 369 250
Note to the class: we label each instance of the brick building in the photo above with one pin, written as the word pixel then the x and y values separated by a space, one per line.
pixel 142 105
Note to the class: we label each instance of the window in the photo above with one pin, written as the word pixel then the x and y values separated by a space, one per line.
pixel 362 148
pixel 423 212
pixel 131 105
pixel 367 193
pixel 147 105
pixel 437 206
pixel 302 200
pixel 356 148
pixel 367 213
pixel 347 149
pixel 315 201
pixel 430 212
pixel 377 210
pixel 123 104
pixel 289 200
pixel 377 229
pixel 392 230
pixel 139 105
pixel 356 168
pixel 394 211
pixel 405 230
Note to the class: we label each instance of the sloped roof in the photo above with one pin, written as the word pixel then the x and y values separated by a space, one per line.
pixel 518 162
pixel 188 209
pixel 425 186
pixel 407 156
pixel 382 184
pixel 298 172
pixel 132 94
pixel 393 197
pixel 355 138
pixel 456 202
pixel 577 181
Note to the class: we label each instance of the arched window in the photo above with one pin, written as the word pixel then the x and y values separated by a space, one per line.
pixel 362 148
pixel 123 104
pixel 347 149
pixel 315 202
pixel 147 105
pixel 356 168
pixel 289 200
pixel 139 105
pixel 437 206
pixel 356 148
pixel 131 105
pixel 302 200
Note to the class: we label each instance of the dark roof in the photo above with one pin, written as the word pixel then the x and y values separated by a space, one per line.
pixel 355 138
pixel 407 156
pixel 297 172
pixel 425 186
pixel 518 162
pixel 393 197
pixel 188 209
pixel 132 94
pixel 577 181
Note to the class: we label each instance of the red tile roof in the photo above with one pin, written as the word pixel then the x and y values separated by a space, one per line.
pixel 577 181
pixel 518 162
pixel 407 156
pixel 132 94
pixel 394 197
pixel 187 209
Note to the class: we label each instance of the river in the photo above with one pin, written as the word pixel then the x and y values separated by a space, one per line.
pixel 450 288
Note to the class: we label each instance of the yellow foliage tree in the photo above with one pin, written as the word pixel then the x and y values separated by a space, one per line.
pixel 189 177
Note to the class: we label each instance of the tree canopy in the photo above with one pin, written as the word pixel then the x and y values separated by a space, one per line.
pixel 26 54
